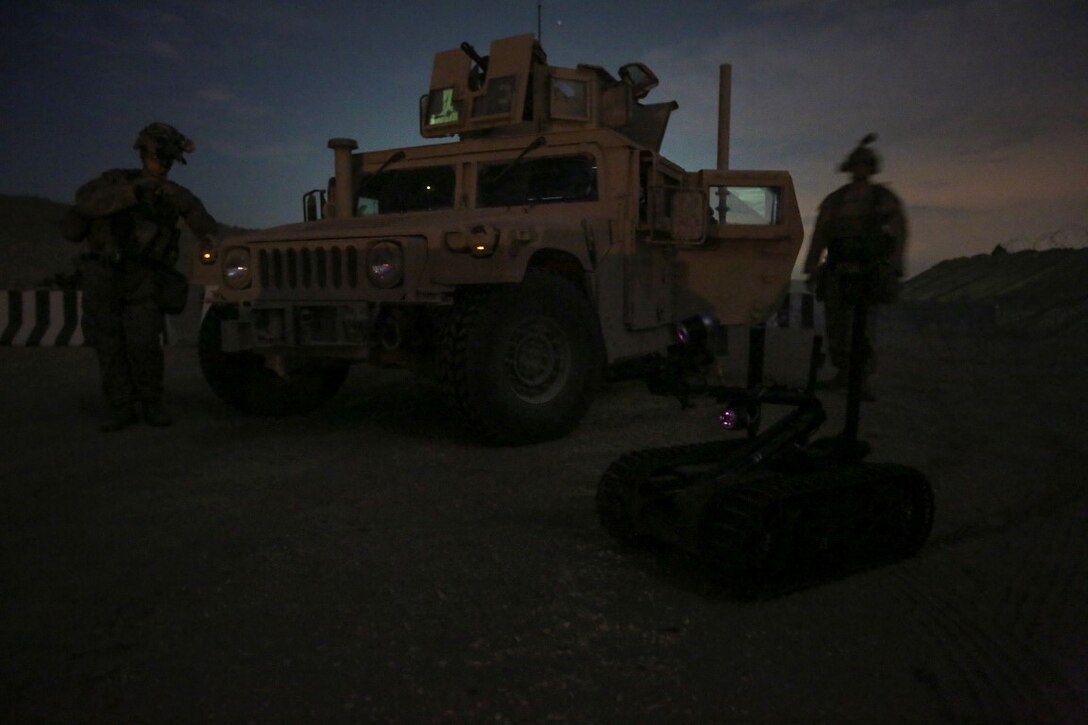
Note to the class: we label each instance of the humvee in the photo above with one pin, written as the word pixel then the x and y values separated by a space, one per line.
pixel 549 242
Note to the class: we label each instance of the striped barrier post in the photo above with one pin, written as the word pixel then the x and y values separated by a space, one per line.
pixel 53 318
pixel 40 318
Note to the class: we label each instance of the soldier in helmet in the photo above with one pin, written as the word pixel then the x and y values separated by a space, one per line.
pixel 127 220
pixel 856 256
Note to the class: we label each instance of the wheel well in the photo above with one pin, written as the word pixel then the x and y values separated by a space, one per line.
pixel 561 263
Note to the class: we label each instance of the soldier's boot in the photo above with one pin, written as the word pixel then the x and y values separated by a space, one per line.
pixel 155 414
pixel 123 416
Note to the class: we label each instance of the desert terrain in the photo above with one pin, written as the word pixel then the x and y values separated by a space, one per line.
pixel 370 562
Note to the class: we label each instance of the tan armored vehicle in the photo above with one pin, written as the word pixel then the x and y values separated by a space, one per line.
pixel 549 241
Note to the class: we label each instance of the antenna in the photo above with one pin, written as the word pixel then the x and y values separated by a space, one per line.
pixel 538 13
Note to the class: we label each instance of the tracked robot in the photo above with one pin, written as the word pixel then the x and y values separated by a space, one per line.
pixel 776 509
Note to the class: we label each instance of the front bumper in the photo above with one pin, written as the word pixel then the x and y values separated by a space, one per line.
pixel 343 326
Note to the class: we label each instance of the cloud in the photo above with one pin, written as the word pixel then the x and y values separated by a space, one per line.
pixel 959 75
pixel 262 149
pixel 163 49
pixel 276 18
pixel 239 111
pixel 976 106
pixel 217 93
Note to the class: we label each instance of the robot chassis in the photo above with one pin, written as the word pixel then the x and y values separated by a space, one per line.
pixel 772 511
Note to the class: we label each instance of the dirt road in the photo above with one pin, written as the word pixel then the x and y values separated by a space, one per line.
pixel 368 562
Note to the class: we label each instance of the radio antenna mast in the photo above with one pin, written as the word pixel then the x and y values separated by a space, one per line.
pixel 538 12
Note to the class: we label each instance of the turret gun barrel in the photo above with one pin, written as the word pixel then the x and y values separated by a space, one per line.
pixel 478 59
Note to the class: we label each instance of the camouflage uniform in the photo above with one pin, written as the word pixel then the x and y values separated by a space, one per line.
pixel 863 230
pixel 129 223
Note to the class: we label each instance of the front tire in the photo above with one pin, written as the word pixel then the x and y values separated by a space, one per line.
pixel 522 361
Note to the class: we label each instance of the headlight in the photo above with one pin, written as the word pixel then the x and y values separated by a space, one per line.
pixel 385 264
pixel 237 272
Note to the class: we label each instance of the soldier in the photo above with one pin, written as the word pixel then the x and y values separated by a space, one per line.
pixel 128 220
pixel 863 230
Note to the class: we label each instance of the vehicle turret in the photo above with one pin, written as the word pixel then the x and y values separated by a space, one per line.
pixel 512 90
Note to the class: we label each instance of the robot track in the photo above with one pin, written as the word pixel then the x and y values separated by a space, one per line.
pixel 766 529
pixel 786 529
pixel 638 484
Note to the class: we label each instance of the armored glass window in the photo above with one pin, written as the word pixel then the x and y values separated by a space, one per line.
pixel 569 99
pixel 498 99
pixel 400 190
pixel 641 79
pixel 537 181
pixel 745 205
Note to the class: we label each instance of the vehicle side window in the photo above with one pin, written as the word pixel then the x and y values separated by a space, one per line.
pixel 402 190
pixel 537 181
pixel 745 205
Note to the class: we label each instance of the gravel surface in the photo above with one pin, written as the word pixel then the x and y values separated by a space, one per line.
pixel 369 562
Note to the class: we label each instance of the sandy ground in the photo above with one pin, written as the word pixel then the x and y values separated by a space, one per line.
pixel 369 563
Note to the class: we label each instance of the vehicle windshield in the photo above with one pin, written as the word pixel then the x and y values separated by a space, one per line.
pixel 537 181
pixel 402 190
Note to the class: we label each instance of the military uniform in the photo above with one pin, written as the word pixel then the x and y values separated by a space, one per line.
pixel 863 231
pixel 128 222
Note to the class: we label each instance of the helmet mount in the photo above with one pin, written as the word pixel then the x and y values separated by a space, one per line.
pixel 862 156
pixel 167 142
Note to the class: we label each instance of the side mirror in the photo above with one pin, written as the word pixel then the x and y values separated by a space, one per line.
pixel 312 201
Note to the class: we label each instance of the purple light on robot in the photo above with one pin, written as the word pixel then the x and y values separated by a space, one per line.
pixel 682 335
pixel 728 418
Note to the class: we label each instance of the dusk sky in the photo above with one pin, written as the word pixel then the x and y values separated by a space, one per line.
pixel 981 107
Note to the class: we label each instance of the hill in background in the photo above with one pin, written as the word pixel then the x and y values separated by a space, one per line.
pixel 33 250
pixel 30 241
pixel 1029 291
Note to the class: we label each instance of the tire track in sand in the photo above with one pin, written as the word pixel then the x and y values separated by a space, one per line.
pixel 981 670
pixel 1040 595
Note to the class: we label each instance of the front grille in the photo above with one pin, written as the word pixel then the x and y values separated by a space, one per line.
pixel 309 268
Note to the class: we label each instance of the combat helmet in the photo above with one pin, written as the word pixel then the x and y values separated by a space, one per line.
pixel 863 155
pixel 169 143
